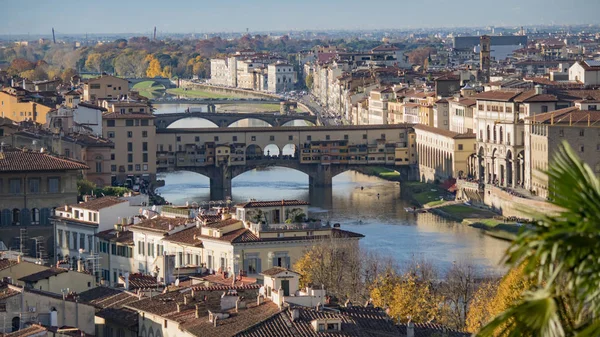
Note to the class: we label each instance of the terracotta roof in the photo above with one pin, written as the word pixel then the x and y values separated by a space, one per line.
pixel 13 160
pixel 356 321
pixel 589 67
pixel 6 263
pixel 44 274
pixel 277 270
pixel 139 281
pixel 466 102
pixel 33 330
pixel 6 292
pixel 575 95
pixel 531 96
pixel 251 204
pixel 569 116
pixel 104 297
pixel 112 235
pixel 161 224
pixel 497 95
pixel 222 223
pixel 91 106
pixel 99 203
pixel 219 280
pixel 122 317
pixel 188 237
pixel 445 133
pixel 235 324
pixel 448 77
pixel 432 329
pixel 115 115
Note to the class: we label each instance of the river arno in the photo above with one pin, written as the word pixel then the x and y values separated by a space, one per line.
pixel 382 219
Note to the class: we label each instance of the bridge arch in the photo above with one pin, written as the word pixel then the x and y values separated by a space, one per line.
pixel 254 151
pixel 293 122
pixel 290 150
pixel 239 123
pixel 272 150
pixel 186 122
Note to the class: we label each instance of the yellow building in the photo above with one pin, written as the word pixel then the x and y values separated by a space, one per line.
pixel 444 154
pixel 19 105
pixel 130 127
pixel 105 87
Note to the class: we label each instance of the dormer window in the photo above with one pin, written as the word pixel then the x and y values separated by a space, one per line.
pixel 321 325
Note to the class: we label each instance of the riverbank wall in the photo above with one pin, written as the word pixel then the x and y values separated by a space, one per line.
pixel 226 90
pixel 503 202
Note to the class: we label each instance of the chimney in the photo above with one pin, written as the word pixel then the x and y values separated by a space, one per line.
pixel 538 89
pixel 197 311
pixel 237 305
pixel 410 329
pixel 79 266
pixel 295 314
pixel 319 306
pixel 179 307
pixel 19 258
pixel 66 208
pixel 215 318
pixel 185 299
pixel 258 301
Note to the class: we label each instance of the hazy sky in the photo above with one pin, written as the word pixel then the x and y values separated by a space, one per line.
pixel 137 16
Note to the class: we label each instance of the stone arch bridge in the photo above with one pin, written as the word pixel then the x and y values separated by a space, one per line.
pixel 321 152
pixel 161 80
pixel 225 119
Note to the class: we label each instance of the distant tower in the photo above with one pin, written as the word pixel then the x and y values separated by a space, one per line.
pixel 484 56
pixel 154 32
pixel 53 36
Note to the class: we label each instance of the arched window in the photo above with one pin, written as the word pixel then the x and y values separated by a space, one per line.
pixel 35 216
pixel 16 216
pixel 495 136
pixel 501 138
pixel 16 323
pixel 488 133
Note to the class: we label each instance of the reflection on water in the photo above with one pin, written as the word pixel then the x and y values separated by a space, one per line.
pixel 375 210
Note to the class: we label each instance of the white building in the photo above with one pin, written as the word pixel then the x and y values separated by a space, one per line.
pixel 75 226
pixel 281 77
pixel 441 118
pixel 500 133
pixel 378 105
pixel 586 72
pixel 461 115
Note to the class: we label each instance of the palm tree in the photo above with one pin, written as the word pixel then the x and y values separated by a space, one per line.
pixel 561 253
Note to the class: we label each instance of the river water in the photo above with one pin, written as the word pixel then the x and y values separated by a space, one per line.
pixel 360 203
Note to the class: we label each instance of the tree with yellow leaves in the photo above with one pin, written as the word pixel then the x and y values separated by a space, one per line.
pixel 492 298
pixel 154 69
pixel 408 297
pixel 94 62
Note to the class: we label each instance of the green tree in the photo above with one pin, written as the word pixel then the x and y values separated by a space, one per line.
pixel 560 252
pixel 85 187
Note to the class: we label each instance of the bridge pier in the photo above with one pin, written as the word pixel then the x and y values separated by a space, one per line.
pixel 220 183
pixel 321 176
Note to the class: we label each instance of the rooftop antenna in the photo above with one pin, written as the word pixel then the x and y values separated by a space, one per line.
pixel 53 36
